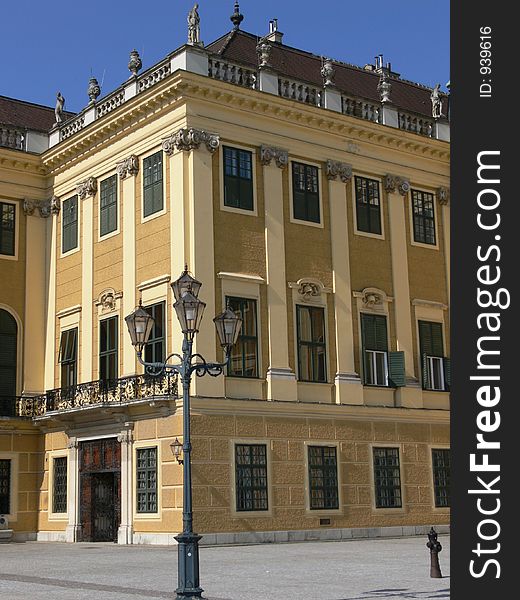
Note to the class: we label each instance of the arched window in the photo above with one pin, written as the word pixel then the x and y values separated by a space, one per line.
pixel 8 354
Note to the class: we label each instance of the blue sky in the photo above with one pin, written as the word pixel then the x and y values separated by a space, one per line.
pixel 54 45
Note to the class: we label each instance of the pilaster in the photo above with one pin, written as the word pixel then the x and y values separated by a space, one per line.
pixel 281 380
pixel 125 531
pixel 73 529
pixel 443 196
pixel 50 306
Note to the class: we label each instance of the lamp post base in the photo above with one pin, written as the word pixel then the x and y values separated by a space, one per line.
pixel 188 558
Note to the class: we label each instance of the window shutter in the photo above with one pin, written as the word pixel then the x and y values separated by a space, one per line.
pixel 362 217
pixel 381 337
pixel 447 373
pixel 396 369
pixel 425 372
pixel 368 332
pixel 437 345
pixel 425 338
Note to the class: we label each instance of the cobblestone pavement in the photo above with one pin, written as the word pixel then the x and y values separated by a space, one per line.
pixel 348 570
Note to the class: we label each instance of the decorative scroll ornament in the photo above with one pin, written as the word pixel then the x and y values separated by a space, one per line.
pixel 263 49
pixel 309 290
pixel 128 167
pixel 328 73
pixel 394 183
pixel 44 207
pixel 281 157
pixel 372 299
pixel 191 139
pixel 384 88
pixel 337 169
pixel 87 187
pixel 135 63
pixel 125 437
pixel 94 90
pixel 443 195
pixel 107 300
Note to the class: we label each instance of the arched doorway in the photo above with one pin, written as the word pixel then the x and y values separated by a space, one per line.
pixel 8 360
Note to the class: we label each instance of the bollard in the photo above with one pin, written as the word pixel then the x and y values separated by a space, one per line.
pixel 435 547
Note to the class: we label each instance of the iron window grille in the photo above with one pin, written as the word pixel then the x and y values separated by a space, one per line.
pixel 368 205
pixel 435 366
pixel 312 360
pixel 387 478
pixel 108 205
pixel 441 461
pixel 7 228
pixel 147 480
pixel 153 200
pixel 67 357
pixel 69 224
pixel 251 477
pixel 244 355
pixel 238 178
pixel 306 192
pixel 155 349
pixel 375 349
pixel 108 354
pixel 323 478
pixel 59 489
pixel 5 486
pixel 423 204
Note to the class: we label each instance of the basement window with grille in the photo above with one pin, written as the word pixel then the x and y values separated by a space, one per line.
pixel 59 489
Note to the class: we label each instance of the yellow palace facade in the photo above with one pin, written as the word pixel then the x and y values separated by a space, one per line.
pixel 310 196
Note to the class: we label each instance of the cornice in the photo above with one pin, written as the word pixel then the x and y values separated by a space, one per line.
pixel 21 161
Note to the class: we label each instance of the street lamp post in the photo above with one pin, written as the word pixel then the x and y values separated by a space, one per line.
pixel 189 311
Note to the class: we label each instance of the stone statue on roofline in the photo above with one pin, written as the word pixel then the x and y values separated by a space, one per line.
pixel 436 99
pixel 59 110
pixel 194 26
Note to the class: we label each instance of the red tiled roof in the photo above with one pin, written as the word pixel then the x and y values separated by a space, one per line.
pixel 27 115
pixel 296 64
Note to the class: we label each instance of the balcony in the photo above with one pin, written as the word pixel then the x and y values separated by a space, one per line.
pixel 9 406
pixel 119 392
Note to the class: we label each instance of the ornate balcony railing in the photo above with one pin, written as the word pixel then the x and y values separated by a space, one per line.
pixel 153 76
pixel 100 393
pixel 299 91
pixel 9 406
pixel 362 109
pixel 416 124
pixel 11 137
pixel 232 73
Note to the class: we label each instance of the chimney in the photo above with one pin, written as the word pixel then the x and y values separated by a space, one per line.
pixel 274 35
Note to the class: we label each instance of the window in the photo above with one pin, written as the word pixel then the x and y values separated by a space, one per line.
pixel 312 363
pixel 244 356
pixel 5 486
pixel 306 192
pixel 108 332
pixel 435 367
pixel 108 205
pixel 238 178
pixel 423 217
pixel 147 480
pixel 153 184
pixel 59 489
pixel 155 349
pixel 8 356
pixel 387 478
pixel 375 349
pixel 68 357
pixel 441 462
pixel 7 228
pixel 251 476
pixel 323 478
pixel 368 205
pixel 69 215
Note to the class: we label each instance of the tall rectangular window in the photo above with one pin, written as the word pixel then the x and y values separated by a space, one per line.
pixel 5 486
pixel 147 480
pixel 244 356
pixel 238 178
pixel 153 200
pixel 323 478
pixel 155 349
pixel 306 192
pixel 59 488
pixel 375 349
pixel 441 462
pixel 108 205
pixel 423 217
pixel 108 343
pixel 368 205
pixel 69 232
pixel 387 478
pixel 251 477
pixel 312 362
pixel 68 357
pixel 432 356
pixel 7 228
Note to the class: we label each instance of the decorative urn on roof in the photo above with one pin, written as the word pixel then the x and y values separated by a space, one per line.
pixel 94 90
pixel 135 63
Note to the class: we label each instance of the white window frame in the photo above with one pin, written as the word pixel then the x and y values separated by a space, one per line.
pixel 388 510
pixel 241 211
pixel 376 236
pixel 142 445
pixel 17 213
pixel 374 366
pixel 319 512
pixel 436 214
pixel 51 456
pixel 431 360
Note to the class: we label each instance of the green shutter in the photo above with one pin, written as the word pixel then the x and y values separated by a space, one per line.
pixel 396 369
pixel 425 372
pixel 437 345
pixel 447 373
pixel 373 328
pixel 430 335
